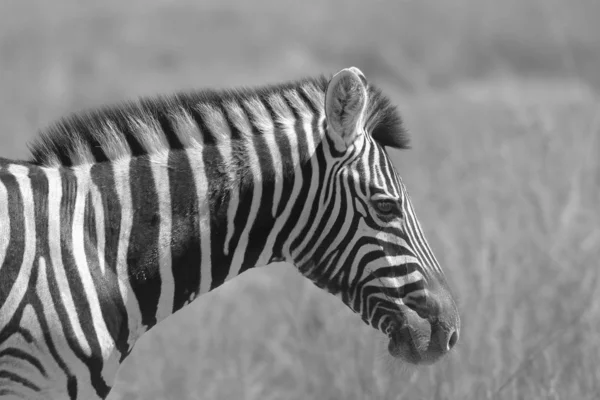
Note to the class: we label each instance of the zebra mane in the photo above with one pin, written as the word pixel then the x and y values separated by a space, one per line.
pixel 148 125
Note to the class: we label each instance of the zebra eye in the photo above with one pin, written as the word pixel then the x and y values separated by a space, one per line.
pixel 386 206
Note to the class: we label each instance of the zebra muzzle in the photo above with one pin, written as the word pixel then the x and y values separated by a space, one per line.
pixel 421 341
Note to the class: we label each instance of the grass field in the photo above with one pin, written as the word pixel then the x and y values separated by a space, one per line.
pixel 502 101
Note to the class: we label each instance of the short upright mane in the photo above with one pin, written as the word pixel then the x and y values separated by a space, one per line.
pixel 108 132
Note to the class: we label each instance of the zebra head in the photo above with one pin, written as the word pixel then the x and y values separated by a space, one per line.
pixel 371 251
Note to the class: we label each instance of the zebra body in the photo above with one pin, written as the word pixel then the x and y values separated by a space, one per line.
pixel 127 214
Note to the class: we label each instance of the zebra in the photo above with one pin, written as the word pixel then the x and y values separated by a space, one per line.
pixel 124 214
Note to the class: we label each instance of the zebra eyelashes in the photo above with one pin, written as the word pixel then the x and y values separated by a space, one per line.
pixel 387 207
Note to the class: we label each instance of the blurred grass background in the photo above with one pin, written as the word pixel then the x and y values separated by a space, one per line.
pixel 502 100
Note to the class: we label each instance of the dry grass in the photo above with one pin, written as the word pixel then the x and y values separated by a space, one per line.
pixel 504 174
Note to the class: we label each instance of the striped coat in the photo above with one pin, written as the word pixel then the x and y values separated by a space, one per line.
pixel 126 214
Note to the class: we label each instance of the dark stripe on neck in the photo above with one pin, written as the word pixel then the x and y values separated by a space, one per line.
pixel 142 253
pixel 185 234
pixel 219 196
pixel 11 265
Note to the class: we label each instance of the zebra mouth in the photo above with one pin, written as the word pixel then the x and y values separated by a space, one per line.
pixel 402 345
pixel 410 341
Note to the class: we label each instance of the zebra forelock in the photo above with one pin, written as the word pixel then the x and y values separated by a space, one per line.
pixel 151 125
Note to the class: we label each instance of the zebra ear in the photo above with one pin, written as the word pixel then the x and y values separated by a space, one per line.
pixel 345 106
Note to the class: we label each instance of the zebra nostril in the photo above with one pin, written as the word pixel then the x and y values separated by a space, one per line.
pixel 452 341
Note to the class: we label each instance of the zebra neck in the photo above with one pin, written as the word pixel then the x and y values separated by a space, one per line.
pixel 183 222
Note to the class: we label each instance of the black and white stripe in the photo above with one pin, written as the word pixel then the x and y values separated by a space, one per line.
pixel 125 215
